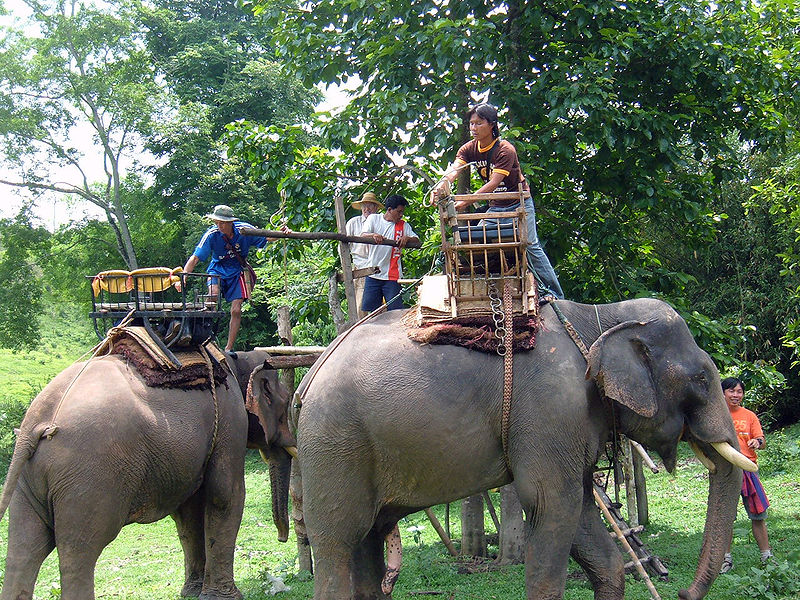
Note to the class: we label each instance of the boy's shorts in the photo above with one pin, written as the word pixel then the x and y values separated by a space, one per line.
pixel 231 288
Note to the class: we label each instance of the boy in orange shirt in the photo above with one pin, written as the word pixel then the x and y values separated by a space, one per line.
pixel 751 438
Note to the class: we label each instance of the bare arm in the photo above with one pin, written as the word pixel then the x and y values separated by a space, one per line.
pixel 487 188
pixel 190 264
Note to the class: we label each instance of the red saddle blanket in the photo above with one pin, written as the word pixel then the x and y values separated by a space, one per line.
pixel 475 332
pixel 135 344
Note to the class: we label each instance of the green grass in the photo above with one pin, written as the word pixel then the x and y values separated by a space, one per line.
pixel 145 561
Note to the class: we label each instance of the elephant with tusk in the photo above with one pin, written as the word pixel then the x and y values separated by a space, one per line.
pixel 388 427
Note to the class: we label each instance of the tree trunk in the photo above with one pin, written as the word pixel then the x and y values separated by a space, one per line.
pixel 512 528
pixel 473 534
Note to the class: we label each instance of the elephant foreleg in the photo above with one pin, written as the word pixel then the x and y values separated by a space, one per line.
pixel 189 523
pixel 549 530
pixel 30 541
pixel 597 554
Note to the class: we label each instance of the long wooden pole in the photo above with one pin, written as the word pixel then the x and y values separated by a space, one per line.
pixel 347 266
pixel 624 541
pixel 442 534
pixel 323 235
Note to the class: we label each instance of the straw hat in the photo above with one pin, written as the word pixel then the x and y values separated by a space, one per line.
pixel 222 212
pixel 367 197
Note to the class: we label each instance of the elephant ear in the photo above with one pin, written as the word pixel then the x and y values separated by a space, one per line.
pixel 260 373
pixel 620 363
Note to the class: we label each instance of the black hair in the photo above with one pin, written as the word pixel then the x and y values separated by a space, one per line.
pixel 395 200
pixel 487 112
pixel 731 382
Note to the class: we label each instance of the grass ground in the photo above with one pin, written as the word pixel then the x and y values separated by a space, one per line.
pixel 145 561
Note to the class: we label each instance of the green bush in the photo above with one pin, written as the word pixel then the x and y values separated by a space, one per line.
pixel 11 414
pixel 776 580
pixel 778 454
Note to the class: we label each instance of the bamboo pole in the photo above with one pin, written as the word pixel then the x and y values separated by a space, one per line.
pixel 324 235
pixel 490 505
pixel 624 541
pixel 442 534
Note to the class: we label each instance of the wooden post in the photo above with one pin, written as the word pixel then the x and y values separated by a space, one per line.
pixel 512 528
pixel 303 546
pixel 473 532
pixel 641 489
pixel 630 484
pixel 285 333
pixel 347 266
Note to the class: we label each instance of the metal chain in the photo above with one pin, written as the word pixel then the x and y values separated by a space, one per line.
pixel 499 319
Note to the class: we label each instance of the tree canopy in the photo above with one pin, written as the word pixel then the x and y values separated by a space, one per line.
pixel 83 66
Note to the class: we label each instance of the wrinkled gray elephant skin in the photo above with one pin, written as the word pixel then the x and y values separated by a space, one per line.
pixel 388 427
pixel 123 453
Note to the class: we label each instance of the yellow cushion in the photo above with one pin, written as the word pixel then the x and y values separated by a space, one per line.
pixel 114 282
pixel 155 279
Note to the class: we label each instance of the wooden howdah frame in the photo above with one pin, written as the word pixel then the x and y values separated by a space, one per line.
pixel 484 251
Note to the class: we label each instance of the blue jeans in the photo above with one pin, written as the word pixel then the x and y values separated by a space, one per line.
pixel 537 260
pixel 378 290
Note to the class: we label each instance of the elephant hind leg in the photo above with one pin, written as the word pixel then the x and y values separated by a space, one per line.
pixel 189 523
pixel 369 567
pixel 597 553
pixel 84 526
pixel 30 541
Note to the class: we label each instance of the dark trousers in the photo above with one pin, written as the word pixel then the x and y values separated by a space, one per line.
pixel 378 290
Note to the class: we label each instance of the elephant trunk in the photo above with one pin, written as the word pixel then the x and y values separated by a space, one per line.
pixel 280 465
pixel 725 484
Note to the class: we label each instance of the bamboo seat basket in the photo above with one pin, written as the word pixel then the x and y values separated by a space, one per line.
pixel 156 295
pixel 483 251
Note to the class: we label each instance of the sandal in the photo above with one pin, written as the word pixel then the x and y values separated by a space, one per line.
pixel 389 579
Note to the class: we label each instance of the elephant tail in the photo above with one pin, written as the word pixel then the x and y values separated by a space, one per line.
pixel 25 446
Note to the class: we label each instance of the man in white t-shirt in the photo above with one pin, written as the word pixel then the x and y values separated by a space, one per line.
pixel 368 205
pixel 383 286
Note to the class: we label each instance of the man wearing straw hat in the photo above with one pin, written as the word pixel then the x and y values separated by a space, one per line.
pixel 368 205
pixel 228 249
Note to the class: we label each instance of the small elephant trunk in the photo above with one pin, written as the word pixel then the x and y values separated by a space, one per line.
pixel 723 498
pixel 280 465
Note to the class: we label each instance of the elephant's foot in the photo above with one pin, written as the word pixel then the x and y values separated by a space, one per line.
pixel 228 593
pixel 192 588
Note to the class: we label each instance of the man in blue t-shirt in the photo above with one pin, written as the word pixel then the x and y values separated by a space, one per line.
pixel 222 242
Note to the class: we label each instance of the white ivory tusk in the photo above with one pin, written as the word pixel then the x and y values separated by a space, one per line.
pixel 707 463
pixel 292 450
pixel 734 457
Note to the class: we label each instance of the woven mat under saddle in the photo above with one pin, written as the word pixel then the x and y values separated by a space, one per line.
pixel 136 345
pixel 430 321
